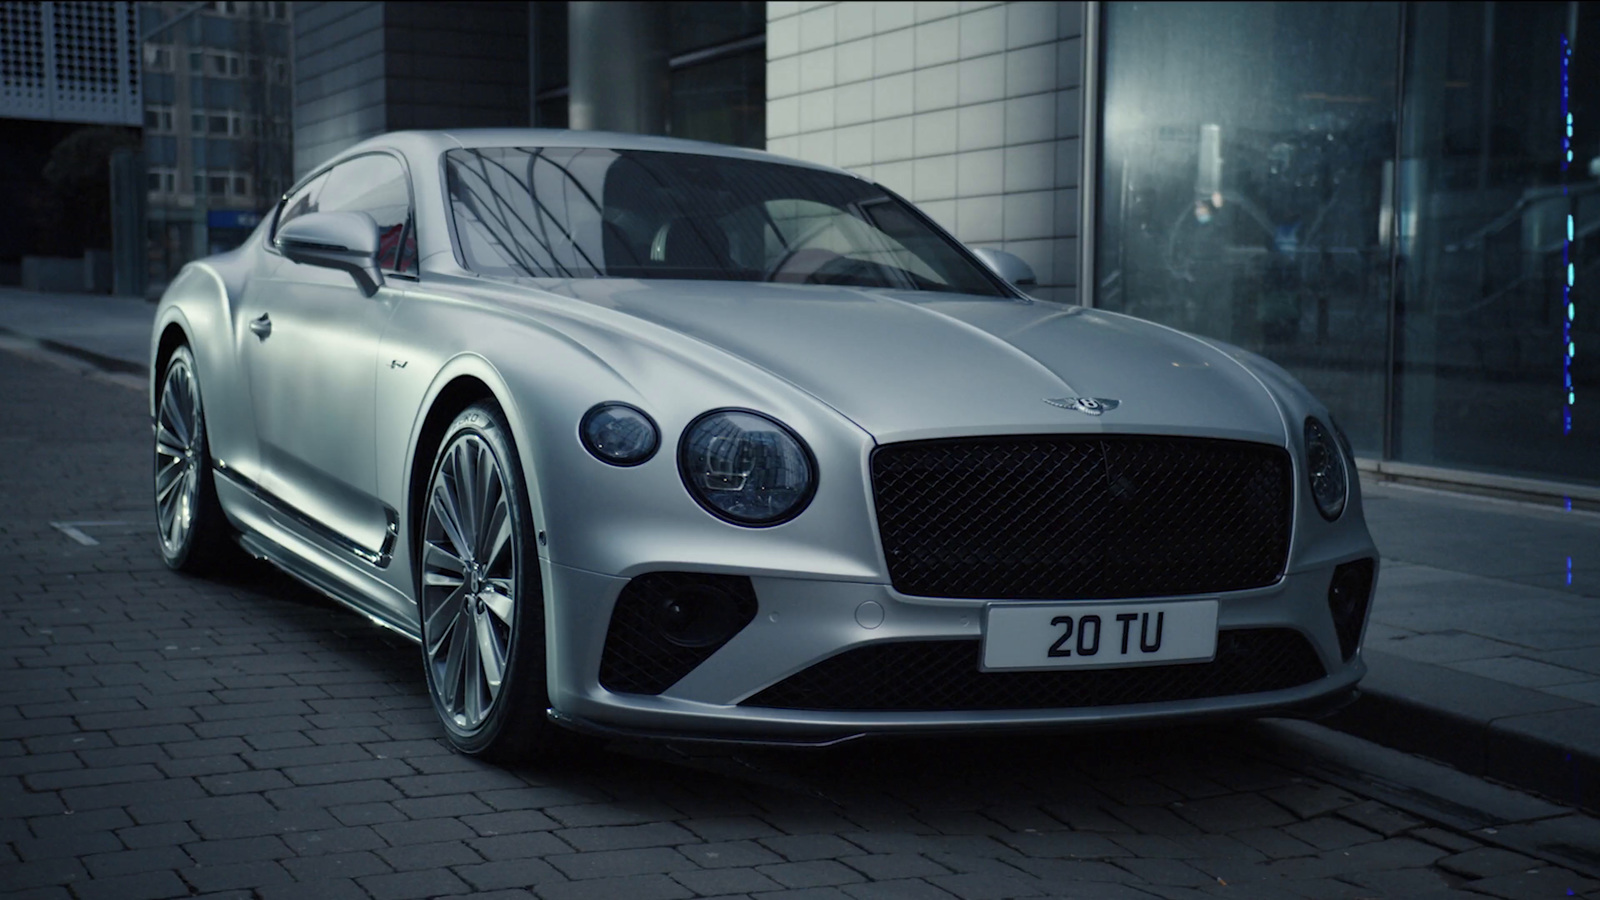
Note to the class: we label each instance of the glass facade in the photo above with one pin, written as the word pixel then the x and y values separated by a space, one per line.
pixel 1396 201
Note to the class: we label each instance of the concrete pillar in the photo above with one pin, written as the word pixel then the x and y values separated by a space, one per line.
pixel 617 53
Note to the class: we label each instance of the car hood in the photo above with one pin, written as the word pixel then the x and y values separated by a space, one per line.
pixel 909 365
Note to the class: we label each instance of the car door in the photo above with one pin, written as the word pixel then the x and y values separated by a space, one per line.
pixel 309 344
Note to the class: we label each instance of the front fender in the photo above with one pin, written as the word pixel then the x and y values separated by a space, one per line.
pixel 200 306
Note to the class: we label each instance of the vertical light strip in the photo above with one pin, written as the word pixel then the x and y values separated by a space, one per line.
pixel 1568 308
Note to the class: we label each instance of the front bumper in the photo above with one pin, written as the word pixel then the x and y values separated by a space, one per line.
pixel 803 621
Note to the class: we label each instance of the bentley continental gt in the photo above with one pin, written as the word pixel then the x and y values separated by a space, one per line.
pixel 641 436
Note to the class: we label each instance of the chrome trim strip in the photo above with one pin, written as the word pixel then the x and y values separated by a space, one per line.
pixel 379 558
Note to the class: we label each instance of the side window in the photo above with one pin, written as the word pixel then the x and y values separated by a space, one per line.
pixel 300 202
pixel 376 185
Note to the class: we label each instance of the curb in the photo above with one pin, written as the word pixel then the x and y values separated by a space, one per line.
pixel 98 360
pixel 1495 747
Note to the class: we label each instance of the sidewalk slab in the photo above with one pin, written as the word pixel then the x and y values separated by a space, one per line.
pixel 110 332
pixel 1512 734
pixel 1484 643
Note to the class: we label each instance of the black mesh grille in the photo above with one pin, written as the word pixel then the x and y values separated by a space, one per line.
pixel 1082 517
pixel 638 657
pixel 943 675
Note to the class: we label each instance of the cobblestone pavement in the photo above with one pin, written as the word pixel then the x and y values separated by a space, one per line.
pixel 168 737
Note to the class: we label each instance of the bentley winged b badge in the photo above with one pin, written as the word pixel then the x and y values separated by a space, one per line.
pixel 1094 406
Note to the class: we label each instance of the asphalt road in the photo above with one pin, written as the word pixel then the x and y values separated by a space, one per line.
pixel 162 736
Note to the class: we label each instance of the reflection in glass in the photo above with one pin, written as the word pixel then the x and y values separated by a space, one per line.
pixel 585 212
pixel 1498 221
pixel 1243 184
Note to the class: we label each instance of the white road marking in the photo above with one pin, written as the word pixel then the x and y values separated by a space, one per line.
pixel 73 530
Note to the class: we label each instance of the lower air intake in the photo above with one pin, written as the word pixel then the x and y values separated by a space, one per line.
pixel 667 623
pixel 926 676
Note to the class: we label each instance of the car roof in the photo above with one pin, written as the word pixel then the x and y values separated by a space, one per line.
pixel 431 143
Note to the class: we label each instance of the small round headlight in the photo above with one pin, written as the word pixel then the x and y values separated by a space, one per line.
pixel 619 434
pixel 746 468
pixel 1330 482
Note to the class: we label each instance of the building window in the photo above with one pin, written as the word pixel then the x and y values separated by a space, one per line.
pixel 161 181
pixel 158 119
pixel 157 58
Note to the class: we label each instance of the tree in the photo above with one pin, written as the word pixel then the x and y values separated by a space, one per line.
pixel 77 177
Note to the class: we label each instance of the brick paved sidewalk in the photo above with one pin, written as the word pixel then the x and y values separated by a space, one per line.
pixel 162 736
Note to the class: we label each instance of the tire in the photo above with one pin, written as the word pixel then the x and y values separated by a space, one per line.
pixel 192 532
pixel 480 599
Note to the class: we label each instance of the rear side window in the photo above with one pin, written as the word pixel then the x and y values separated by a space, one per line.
pixel 376 184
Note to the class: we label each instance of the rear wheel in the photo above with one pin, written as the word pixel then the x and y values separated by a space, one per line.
pixel 194 535
pixel 480 596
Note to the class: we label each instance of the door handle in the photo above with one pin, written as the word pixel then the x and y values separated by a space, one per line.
pixel 262 326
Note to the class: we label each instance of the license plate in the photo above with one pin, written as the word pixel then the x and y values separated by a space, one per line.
pixel 1081 636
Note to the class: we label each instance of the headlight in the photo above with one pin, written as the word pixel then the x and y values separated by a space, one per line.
pixel 746 468
pixel 1330 483
pixel 619 434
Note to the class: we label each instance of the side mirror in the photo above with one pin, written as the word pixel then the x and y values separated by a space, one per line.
pixel 1007 265
pixel 335 240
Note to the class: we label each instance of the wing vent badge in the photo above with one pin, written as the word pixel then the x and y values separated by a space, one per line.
pixel 1094 406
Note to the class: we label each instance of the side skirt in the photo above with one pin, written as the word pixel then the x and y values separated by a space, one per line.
pixel 379 558
pixel 263 548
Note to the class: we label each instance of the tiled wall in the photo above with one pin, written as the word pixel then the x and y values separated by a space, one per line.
pixel 971 110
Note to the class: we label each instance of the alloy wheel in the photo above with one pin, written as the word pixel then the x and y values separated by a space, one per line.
pixel 469 573
pixel 179 452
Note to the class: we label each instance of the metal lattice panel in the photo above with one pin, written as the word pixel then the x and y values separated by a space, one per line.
pixel 72 62
pixel 638 657
pixel 943 675
pixel 1082 517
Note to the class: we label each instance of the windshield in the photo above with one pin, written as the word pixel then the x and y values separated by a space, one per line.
pixel 575 212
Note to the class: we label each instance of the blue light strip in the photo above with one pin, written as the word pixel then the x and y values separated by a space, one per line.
pixel 1568 308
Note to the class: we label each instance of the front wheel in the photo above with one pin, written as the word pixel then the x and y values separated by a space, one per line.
pixel 479 593
pixel 193 530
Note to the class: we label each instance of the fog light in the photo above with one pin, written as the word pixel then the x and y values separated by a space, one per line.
pixel 665 624
pixel 699 615
pixel 1348 595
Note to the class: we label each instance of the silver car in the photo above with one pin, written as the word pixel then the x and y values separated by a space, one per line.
pixel 643 436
